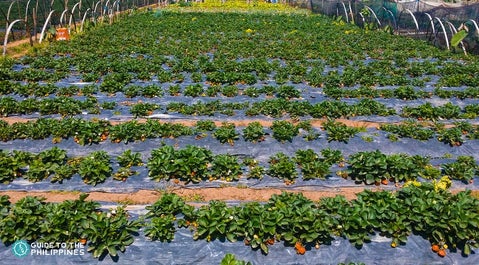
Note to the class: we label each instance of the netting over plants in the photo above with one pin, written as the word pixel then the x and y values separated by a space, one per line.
pixel 448 25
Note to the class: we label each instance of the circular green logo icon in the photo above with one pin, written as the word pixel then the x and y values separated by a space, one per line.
pixel 20 248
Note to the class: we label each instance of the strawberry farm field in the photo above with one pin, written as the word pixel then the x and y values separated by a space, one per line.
pixel 215 98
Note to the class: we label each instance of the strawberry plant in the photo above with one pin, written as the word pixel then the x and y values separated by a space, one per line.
pixel 143 109
pixel 174 90
pixel 167 204
pixel 193 90
pixel 252 92
pixel 213 90
pixel 23 221
pixel 161 228
pixel 86 132
pixel 402 167
pixel 452 136
pixel 132 91
pixel 123 173
pixel 464 168
pixel 8 106
pixel 62 172
pixel 163 214
pixel 284 130
pixel 229 91
pixel 129 159
pixel 79 216
pixel 332 156
pixel 152 91
pixel 338 131
pixel 10 167
pixel 126 132
pixel 246 225
pixel 226 167
pixel 111 232
pixel 368 167
pixel 215 221
pixel 407 93
pixel 95 168
pixel 226 133
pixel 230 259
pixel 189 164
pixel 288 92
pixel 161 163
pixel 311 165
pixel 254 132
pixel 330 109
pixel 369 106
pixel 409 129
pixel 114 82
pixel 205 125
pixel 282 167
pixel 256 172
pixel 37 171
pixel 108 105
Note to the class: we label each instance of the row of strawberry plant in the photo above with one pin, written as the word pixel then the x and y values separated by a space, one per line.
pixel 8 87
pixel 447 220
pixel 65 106
pixel 427 111
pixel 281 91
pixel 94 168
pixel 86 132
pixel 92 132
pixel 277 108
pixel 72 222
pixel 454 136
pixel 280 107
pixel 191 164
pixel 197 164
pixel 428 209
pixel 374 167
pixel 407 92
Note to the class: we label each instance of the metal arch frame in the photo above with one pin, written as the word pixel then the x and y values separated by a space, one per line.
pixel 431 20
pixel 83 20
pixel 475 25
pixel 374 14
pixel 45 26
pixel 117 4
pixel 8 32
pixel 453 30
pixel 62 17
pixel 26 10
pixel 9 11
pixel 446 38
pixel 95 13
pixel 414 19
pixel 351 11
pixel 111 15
pixel 72 14
pixel 391 15
pixel 96 6
pixel 107 4
pixel 345 12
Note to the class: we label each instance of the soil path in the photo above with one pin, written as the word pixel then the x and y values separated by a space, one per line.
pixel 314 122
pixel 143 197
pixel 190 195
